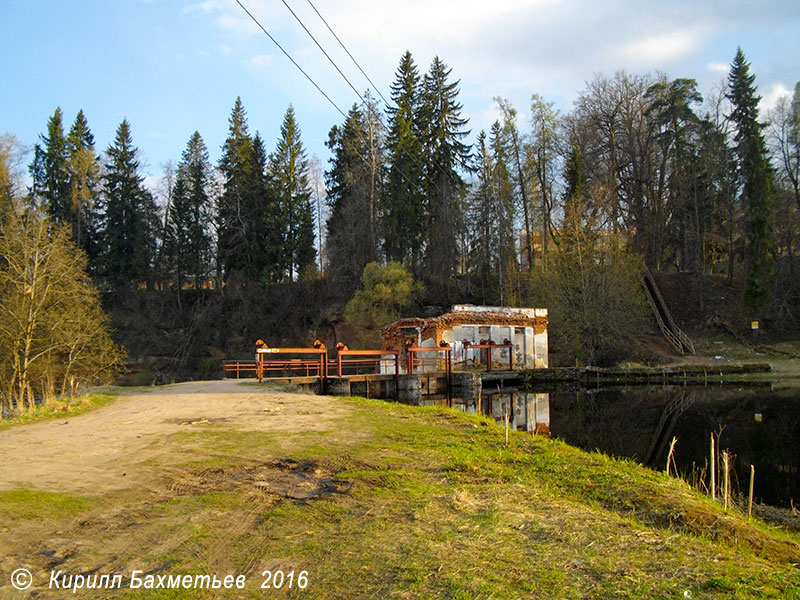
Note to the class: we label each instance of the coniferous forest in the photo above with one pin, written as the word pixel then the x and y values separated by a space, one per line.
pixel 414 211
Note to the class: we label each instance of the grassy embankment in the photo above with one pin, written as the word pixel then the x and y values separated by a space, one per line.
pixel 58 409
pixel 416 503
pixel 783 358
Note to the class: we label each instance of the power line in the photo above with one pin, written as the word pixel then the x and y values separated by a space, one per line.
pixel 375 87
pixel 335 66
pixel 368 105
pixel 370 108
pixel 314 83
pixel 274 41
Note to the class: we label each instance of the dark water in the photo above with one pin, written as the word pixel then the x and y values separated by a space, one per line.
pixel 757 425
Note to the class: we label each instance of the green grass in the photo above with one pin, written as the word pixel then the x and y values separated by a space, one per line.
pixel 783 357
pixel 27 504
pixel 58 409
pixel 431 503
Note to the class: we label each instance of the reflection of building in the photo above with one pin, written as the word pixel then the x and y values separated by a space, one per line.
pixel 524 328
pixel 526 411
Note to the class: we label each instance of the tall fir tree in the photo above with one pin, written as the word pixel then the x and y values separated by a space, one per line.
pixel 576 205
pixel 350 243
pixel 288 167
pixel 490 209
pixel 755 175
pixel 446 157
pixel 482 203
pixel 404 212
pixel 83 166
pixel 233 212
pixel 190 213
pixel 49 170
pixel 503 217
pixel 130 216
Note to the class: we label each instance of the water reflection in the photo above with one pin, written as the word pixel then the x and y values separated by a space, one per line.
pixel 759 426
pixel 526 411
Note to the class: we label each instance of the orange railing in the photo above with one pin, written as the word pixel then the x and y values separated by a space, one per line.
pixel 485 350
pixel 268 362
pixel 441 361
pixel 237 367
pixel 365 361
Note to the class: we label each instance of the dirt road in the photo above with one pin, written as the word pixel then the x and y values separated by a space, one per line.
pixel 115 446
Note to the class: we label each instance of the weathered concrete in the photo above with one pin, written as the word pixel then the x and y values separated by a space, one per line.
pixel 338 386
pixel 467 386
pixel 409 388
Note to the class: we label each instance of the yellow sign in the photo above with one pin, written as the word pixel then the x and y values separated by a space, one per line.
pixel 754 325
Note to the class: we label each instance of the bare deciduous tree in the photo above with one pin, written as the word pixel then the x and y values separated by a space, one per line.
pixel 53 333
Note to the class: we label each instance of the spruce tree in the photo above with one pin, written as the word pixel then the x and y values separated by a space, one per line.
pixel 350 246
pixel 503 217
pixel 575 197
pixel 755 176
pixel 189 218
pixel 236 166
pixel 491 217
pixel 446 156
pixel 404 223
pixel 130 218
pixel 49 171
pixel 265 236
pixel 288 167
pixel 83 166
pixel 481 219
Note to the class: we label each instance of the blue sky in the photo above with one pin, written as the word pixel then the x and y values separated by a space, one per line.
pixel 172 67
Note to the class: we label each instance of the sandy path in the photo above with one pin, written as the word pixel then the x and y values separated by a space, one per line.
pixel 111 448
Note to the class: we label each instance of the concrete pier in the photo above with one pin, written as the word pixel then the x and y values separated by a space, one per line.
pixel 467 386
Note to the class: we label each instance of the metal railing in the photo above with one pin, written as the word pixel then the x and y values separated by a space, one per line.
pixel 237 367
pixel 441 361
pixel 370 361
pixel 485 350
pixel 268 363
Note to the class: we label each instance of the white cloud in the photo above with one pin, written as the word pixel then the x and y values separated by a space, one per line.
pixel 487 118
pixel 230 17
pixel 153 184
pixel 660 48
pixel 771 98
pixel 262 60
pixel 717 67
pixel 205 7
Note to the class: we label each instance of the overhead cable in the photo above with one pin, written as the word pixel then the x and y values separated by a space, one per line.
pixel 375 87
pixel 274 41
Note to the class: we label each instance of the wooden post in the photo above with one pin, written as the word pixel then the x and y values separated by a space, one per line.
pixel 750 499
pixel 726 464
pixel 713 470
